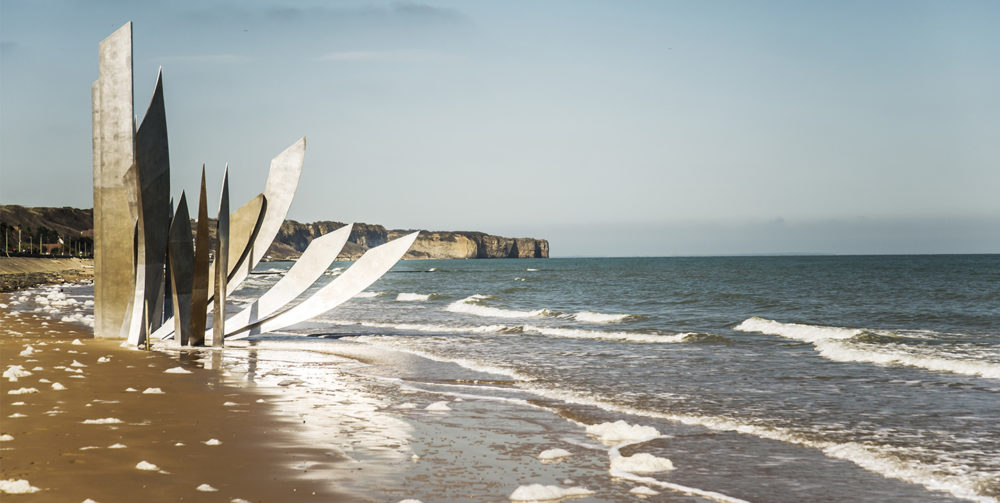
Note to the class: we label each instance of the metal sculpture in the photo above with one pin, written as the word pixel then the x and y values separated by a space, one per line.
pixel 132 207
pixel 180 253
pixel 199 288
pixel 221 264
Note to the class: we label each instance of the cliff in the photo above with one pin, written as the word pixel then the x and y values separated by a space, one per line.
pixel 294 237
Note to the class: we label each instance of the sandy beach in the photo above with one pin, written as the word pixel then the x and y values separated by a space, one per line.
pixel 85 418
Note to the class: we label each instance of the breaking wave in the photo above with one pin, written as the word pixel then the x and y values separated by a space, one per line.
pixel 870 346
pixel 473 305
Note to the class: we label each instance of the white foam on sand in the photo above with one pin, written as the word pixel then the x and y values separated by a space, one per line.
pixel 145 465
pixel 106 420
pixel 58 387
pixel 11 486
pixel 177 370
pixel 116 446
pixel 641 463
pixel 205 488
pixel 152 391
pixel 539 492
pixel 591 317
pixel 104 359
pixel 13 372
pixel 16 415
pixel 553 454
pixel 438 407
pixel 212 441
pixel 6 438
pixel 472 305
pixel 643 491
pixel 22 391
pixel 76 364
pixel 77 342
pixel 833 343
pixel 620 431
pixel 412 297
pixel 28 350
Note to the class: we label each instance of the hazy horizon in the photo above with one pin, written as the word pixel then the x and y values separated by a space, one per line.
pixel 628 129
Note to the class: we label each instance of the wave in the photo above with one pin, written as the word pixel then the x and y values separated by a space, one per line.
pixel 869 346
pixel 414 297
pixel 887 461
pixel 574 333
pixel 471 305
pixel 569 333
pixel 592 317
pixel 368 295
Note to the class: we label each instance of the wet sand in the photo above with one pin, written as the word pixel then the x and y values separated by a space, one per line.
pixel 50 438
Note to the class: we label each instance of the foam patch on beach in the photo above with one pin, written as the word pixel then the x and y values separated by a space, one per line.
pixel 106 420
pixel 641 463
pixel 539 492
pixel 554 454
pixel 19 486
pixel 620 431
pixel 473 305
pixel 850 345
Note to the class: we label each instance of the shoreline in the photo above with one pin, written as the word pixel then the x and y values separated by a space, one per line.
pixel 116 409
pixel 25 272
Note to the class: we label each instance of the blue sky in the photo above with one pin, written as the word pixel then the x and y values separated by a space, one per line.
pixel 610 128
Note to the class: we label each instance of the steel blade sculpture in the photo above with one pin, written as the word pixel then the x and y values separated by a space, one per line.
pixel 143 244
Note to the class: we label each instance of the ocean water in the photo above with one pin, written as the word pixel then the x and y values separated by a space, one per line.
pixel 826 378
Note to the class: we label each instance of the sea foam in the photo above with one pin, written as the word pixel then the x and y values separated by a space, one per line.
pixel 472 305
pixel 575 333
pixel 413 297
pixel 591 317
pixel 539 492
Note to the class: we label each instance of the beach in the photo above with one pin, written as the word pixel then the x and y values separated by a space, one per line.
pixel 694 380
pixel 89 419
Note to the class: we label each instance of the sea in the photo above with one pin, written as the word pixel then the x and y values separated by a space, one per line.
pixel 763 378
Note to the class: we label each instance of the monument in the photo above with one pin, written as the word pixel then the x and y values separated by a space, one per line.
pixel 143 244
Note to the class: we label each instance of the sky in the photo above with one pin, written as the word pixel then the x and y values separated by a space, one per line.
pixel 625 128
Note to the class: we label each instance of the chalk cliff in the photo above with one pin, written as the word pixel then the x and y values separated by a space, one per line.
pixel 293 238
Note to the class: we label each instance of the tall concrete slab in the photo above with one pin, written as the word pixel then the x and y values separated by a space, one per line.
pixel 113 154
pixel 180 257
pixel 369 268
pixel 199 285
pixel 318 256
pixel 221 265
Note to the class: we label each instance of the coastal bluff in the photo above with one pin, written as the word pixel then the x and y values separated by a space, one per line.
pixel 294 237
pixel 50 224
